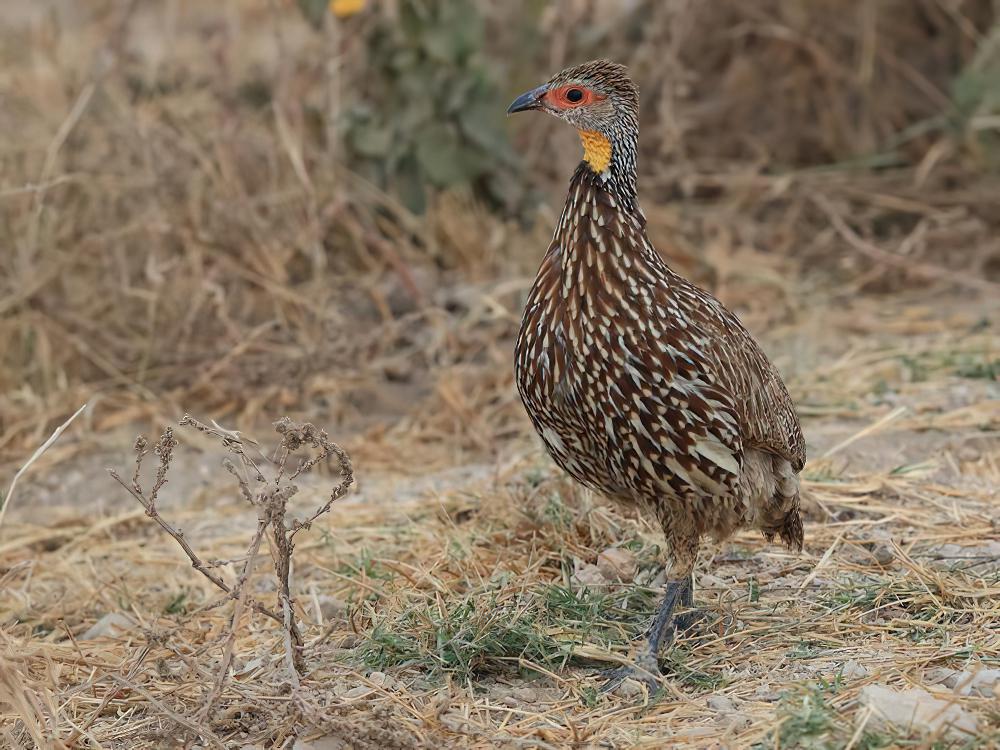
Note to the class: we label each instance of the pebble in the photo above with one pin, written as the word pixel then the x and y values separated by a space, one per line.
pixel 916 710
pixel 590 575
pixel 331 607
pixel 329 742
pixel 382 680
pixel 525 694
pixel 734 721
pixel 969 453
pixel 617 564
pixel 630 689
pixel 721 704
pixel 764 693
pixel 111 625
pixel 883 554
pixel 980 682
pixel 456 722
pixel 852 670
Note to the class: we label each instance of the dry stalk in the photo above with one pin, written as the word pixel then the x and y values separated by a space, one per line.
pixel 164 448
pixel 270 497
pixel 5 500
pixel 238 608
pixel 923 270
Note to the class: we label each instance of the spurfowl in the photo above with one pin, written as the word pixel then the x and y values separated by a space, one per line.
pixel 642 386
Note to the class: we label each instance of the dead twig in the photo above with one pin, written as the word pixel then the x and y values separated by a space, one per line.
pixel 241 600
pixel 164 450
pixel 6 499
pixel 270 496
pixel 907 265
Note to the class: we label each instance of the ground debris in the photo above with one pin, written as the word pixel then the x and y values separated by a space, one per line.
pixel 981 682
pixel 916 710
pixel 853 670
pixel 111 625
pixel 589 575
pixel 617 564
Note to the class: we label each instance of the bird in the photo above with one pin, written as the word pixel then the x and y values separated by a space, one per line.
pixel 644 387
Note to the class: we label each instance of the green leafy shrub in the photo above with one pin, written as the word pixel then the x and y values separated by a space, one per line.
pixel 427 114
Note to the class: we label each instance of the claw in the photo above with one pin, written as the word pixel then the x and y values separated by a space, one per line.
pixel 645 671
pixel 665 625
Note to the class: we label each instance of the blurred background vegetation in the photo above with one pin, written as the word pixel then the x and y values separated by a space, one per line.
pixel 249 206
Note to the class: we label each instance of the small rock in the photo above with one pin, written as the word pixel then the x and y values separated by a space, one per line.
pixel 338 688
pixel 916 709
pixel 969 682
pixel 630 689
pixel 734 721
pixel 329 742
pixel 883 554
pixel 617 564
pixel 358 692
pixel 721 704
pixel 332 608
pixel 525 695
pixel 763 692
pixel 853 671
pixel 741 721
pixel 590 575
pixel 111 625
pixel 969 453
pixel 382 680
pixel 456 722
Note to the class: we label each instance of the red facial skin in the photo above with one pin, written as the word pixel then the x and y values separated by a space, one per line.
pixel 556 98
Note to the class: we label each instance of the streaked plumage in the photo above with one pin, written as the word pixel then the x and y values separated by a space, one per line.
pixel 643 386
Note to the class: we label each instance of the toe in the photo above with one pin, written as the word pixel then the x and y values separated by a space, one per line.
pixel 645 672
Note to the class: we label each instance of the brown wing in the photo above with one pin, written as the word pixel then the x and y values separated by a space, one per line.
pixel 768 420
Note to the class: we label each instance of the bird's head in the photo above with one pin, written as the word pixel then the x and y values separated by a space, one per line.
pixel 600 101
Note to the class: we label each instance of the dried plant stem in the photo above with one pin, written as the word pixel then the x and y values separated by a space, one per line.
pixel 197 728
pixel 283 570
pixel 270 498
pixel 6 499
pixel 240 592
pixel 196 562
pixel 907 265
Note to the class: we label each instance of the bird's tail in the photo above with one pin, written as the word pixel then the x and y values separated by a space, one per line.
pixel 790 529
pixel 784 518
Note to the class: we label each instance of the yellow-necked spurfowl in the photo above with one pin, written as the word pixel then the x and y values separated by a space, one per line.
pixel 642 386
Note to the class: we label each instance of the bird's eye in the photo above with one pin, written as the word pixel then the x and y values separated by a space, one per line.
pixel 574 95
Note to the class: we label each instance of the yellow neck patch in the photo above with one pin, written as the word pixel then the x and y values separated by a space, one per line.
pixel 596 150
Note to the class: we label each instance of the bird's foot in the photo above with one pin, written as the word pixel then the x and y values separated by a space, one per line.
pixel 645 671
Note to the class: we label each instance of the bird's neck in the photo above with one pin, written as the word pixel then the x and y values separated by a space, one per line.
pixel 612 160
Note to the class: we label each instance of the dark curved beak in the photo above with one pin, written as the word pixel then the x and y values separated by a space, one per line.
pixel 528 100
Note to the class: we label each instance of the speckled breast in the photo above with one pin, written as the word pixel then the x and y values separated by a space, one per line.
pixel 557 386
pixel 612 370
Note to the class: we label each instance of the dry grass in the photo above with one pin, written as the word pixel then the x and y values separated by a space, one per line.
pixel 178 245
pixel 457 619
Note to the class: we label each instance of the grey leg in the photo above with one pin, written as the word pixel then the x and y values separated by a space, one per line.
pixel 678 592
pixel 646 668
